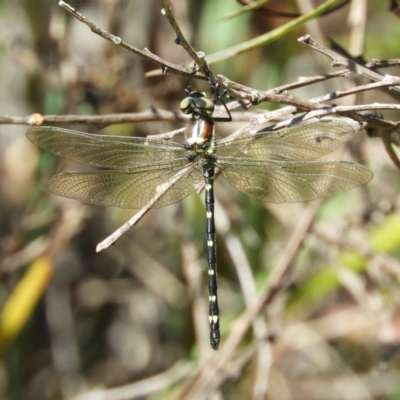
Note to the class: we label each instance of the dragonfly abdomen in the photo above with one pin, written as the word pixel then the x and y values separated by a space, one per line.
pixel 211 257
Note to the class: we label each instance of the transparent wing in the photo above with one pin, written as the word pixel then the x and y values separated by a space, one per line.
pixel 291 182
pixel 302 142
pixel 132 189
pixel 105 150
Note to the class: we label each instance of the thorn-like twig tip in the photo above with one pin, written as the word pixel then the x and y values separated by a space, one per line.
pixel 65 5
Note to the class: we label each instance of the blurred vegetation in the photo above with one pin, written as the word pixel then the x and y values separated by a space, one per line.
pixel 136 314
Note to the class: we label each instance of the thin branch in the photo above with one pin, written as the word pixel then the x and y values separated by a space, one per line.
pixel 145 53
pixel 306 81
pixel 374 63
pixel 107 242
pixel 160 191
pixel 198 57
pixel 255 96
pixel 150 115
pixel 357 108
pixel 168 135
pixel 339 60
pixel 387 81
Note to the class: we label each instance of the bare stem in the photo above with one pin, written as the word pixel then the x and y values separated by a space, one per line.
pixel 180 38
pixel 339 60
pixel 145 53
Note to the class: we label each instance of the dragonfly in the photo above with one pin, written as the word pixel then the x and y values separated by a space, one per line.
pixel 272 166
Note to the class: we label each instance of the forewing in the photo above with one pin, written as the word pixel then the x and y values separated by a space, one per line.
pixel 291 182
pixel 105 150
pixel 130 190
pixel 302 142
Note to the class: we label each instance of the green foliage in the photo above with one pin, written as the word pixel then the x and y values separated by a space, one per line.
pixel 385 237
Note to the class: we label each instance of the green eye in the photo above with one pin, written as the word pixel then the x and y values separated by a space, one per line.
pixel 199 103
pixel 187 105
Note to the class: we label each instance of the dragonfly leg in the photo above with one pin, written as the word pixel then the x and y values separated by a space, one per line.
pixel 211 258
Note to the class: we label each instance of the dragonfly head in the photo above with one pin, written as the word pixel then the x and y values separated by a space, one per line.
pixel 198 104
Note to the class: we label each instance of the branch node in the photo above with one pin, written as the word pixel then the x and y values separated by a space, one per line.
pixel 35 119
pixel 116 39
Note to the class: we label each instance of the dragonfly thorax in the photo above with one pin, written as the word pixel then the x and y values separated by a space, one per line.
pixel 200 132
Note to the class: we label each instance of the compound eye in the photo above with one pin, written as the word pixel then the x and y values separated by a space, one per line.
pixel 187 105
pixel 204 104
